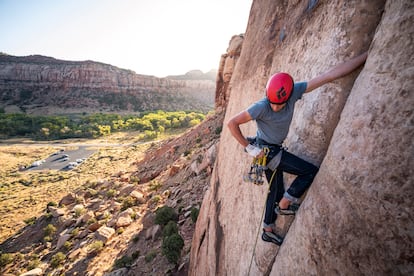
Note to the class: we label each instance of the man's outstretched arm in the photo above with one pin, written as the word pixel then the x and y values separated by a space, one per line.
pixel 336 72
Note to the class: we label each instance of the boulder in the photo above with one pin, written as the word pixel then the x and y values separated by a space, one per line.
pixel 153 233
pixel 174 170
pixel 56 212
pixel 139 196
pixel 104 233
pixel 207 160
pixel 62 239
pixel 67 200
pixel 34 272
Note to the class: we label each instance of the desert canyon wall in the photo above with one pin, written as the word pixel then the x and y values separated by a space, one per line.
pixel 228 62
pixel 36 84
pixel 357 217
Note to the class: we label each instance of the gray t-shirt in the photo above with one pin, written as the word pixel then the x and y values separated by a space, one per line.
pixel 273 127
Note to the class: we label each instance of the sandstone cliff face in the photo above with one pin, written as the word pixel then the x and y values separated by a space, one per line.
pixel 357 216
pixel 37 83
pixel 228 62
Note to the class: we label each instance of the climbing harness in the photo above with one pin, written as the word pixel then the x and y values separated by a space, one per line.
pixel 257 167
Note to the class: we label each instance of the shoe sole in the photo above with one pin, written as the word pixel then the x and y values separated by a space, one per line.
pixel 281 213
pixel 269 239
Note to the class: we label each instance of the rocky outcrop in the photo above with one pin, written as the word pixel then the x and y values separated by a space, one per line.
pixel 356 219
pixel 228 62
pixel 36 84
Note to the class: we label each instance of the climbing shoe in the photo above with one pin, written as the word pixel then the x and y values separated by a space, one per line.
pixel 290 211
pixel 272 237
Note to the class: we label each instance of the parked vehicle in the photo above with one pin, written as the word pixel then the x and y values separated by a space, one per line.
pixel 37 163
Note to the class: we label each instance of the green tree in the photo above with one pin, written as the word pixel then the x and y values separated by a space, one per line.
pixel 104 130
pixel 171 247
pixel 164 214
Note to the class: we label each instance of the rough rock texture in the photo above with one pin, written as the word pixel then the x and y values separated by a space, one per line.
pixel 357 217
pixel 228 62
pixel 360 208
pixel 37 83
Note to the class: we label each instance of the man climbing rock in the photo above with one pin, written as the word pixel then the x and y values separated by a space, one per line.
pixel 273 115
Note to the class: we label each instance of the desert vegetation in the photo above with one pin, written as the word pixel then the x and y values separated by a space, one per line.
pixel 151 124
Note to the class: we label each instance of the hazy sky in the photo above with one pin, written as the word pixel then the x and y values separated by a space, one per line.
pixel 151 37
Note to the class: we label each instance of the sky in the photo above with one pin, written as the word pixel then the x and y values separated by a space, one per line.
pixel 150 37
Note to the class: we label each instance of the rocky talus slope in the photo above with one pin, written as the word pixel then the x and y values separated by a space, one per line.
pixel 44 85
pixel 357 217
pixel 108 227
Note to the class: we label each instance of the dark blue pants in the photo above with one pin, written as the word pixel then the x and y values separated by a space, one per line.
pixel 292 164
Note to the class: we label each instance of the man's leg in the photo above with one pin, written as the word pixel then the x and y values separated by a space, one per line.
pixel 275 194
pixel 276 191
pixel 305 172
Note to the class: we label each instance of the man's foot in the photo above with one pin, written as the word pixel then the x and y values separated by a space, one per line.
pixel 270 236
pixel 290 211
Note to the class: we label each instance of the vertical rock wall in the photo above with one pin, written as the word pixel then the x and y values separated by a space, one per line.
pixel 306 38
pixel 358 217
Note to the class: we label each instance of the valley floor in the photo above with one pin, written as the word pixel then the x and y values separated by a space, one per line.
pixel 24 194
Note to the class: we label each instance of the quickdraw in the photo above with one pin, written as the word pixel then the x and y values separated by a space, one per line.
pixel 258 166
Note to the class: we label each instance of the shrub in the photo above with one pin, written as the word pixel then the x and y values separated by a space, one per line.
pixel 134 179
pixel 79 211
pixel 135 254
pixel 111 193
pixel 47 238
pixel 95 247
pixel 124 261
pixel 35 262
pixel 30 221
pixel 135 239
pixel 156 199
pixel 171 247
pixel 170 228
pixel 128 202
pixel 75 232
pixel 5 259
pixel 91 221
pixel 150 256
pixel 49 230
pixel 194 214
pixel 218 130
pixel 164 214
pixel 154 185
pixel 67 245
pixel 52 203
pixel 57 259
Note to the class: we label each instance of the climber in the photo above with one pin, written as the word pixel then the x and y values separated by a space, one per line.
pixel 273 115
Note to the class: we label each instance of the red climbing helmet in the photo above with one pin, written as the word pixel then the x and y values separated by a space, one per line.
pixel 279 88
